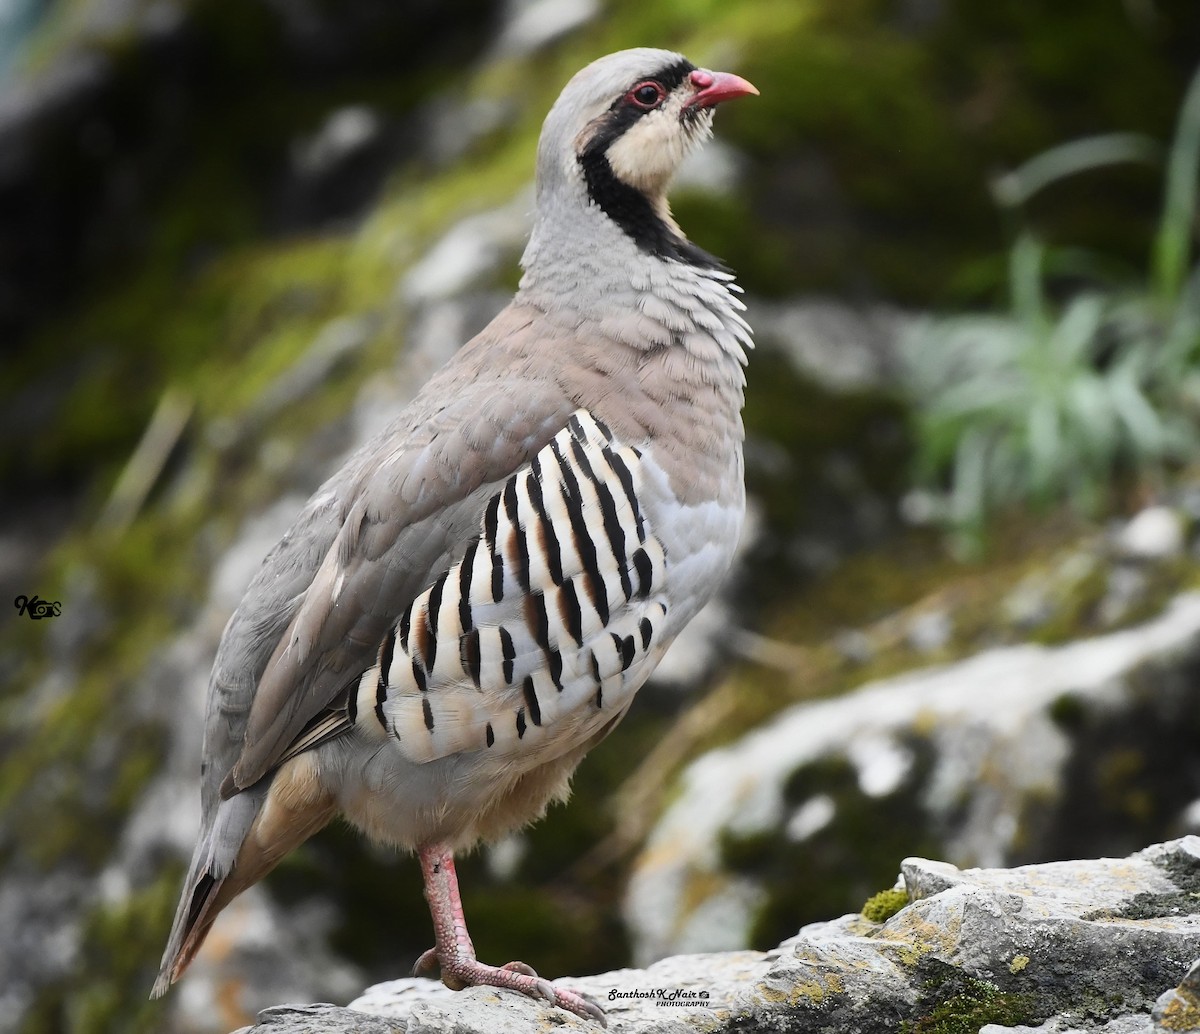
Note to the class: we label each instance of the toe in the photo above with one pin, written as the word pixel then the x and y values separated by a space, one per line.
pixel 574 1002
pixel 545 990
pixel 427 965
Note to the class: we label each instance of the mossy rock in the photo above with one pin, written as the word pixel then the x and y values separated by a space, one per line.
pixel 953 1002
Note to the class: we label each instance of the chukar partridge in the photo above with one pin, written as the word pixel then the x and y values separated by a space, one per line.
pixel 470 604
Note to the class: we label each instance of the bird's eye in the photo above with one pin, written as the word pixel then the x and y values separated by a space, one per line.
pixel 647 95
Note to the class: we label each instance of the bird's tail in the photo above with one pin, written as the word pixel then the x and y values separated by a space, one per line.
pixel 245 839
pixel 209 885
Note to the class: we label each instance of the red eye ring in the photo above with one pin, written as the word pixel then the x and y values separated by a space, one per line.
pixel 647 95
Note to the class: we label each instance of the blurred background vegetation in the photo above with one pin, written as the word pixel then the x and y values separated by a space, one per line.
pixel 209 214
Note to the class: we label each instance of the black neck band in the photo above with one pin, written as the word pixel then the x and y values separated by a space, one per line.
pixel 627 206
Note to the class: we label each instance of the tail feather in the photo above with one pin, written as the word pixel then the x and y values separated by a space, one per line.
pixel 186 940
pixel 210 884
pixel 246 838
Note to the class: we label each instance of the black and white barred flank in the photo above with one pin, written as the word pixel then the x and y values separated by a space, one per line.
pixel 547 620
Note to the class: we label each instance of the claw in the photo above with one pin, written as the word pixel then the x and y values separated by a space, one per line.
pixel 427 965
pixel 593 1011
pixel 574 1002
pixel 520 967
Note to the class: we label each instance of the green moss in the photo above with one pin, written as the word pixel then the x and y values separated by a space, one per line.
pixel 956 1003
pixel 880 907
pixel 1067 711
pixel 1184 872
pixel 1075 604
pixel 967 1012
pixel 1179 1012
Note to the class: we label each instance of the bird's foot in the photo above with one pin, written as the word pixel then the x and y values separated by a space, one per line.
pixel 460 971
pixel 429 966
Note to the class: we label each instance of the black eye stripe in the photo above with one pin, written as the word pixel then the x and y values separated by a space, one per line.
pixel 668 78
pixel 673 75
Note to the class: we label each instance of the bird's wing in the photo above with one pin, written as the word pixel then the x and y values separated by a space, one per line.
pixel 534 639
pixel 367 543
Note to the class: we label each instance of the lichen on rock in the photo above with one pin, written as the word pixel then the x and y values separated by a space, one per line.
pixel 977 947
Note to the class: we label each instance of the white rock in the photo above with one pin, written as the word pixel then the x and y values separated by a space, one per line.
pixel 1156 533
pixel 811 817
pixel 345 131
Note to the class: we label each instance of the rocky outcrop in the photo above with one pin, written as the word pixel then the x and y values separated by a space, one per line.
pixel 1069 946
pixel 1066 747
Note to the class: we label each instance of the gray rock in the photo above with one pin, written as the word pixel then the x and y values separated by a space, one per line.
pixel 1006 747
pixel 322 1019
pixel 1057 948
pixel 1060 1025
pixel 345 132
pixel 1179 1008
pixel 931 631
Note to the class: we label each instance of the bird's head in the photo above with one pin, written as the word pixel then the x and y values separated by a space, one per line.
pixel 617 135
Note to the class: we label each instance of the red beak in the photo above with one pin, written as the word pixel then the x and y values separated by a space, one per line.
pixel 714 87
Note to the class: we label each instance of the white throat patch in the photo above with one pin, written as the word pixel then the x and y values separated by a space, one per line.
pixel 648 154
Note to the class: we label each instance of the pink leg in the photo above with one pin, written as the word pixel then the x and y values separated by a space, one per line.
pixel 455 953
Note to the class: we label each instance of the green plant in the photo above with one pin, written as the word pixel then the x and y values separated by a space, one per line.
pixel 958 1003
pixel 1048 402
pixel 879 908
